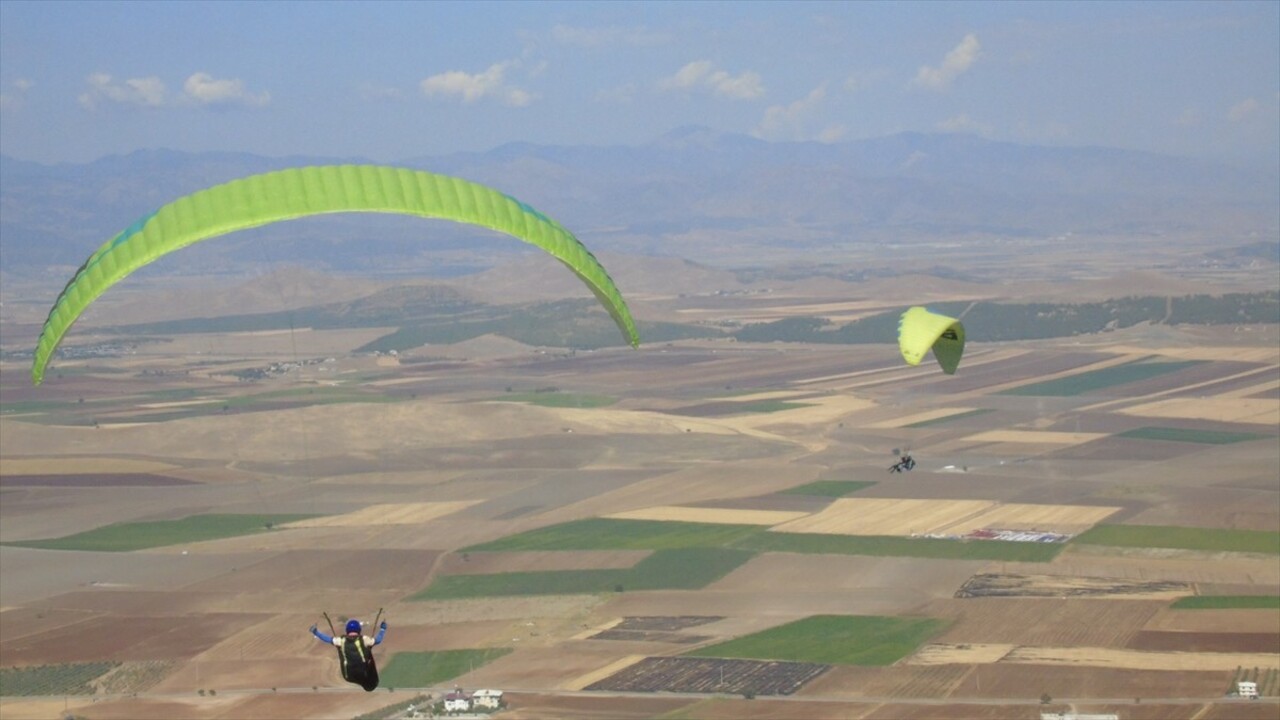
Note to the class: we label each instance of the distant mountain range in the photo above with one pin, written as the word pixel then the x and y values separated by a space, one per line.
pixel 695 193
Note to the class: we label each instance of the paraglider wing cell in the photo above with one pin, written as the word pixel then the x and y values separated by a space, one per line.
pixel 298 192
pixel 921 330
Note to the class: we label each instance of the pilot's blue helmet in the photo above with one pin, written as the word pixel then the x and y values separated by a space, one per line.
pixel 353 626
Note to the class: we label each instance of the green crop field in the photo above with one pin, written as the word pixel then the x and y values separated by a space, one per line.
pixel 1227 602
pixel 1206 437
pixel 612 534
pixel 123 537
pixel 832 639
pixel 559 400
pixel 1090 381
pixel 64 679
pixel 1183 538
pixel 767 406
pixel 426 669
pixel 828 488
pixel 684 569
pixel 883 545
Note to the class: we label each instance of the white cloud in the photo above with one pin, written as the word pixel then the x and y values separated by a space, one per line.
pixel 959 60
pixel 607 36
pixel 203 89
pixel 16 97
pixel 702 74
pixel 1242 110
pixel 472 87
pixel 147 91
pixel 199 89
pixel 791 122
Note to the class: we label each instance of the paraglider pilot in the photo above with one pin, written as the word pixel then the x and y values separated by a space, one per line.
pixel 355 653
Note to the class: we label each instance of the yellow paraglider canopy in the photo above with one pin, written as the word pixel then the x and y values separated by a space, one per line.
pixel 921 329
pixel 298 192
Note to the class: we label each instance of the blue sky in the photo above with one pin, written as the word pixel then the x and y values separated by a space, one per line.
pixel 390 81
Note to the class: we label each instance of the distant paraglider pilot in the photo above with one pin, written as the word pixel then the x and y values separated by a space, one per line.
pixel 906 462
pixel 355 653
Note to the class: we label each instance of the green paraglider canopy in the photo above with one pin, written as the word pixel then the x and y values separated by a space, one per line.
pixel 921 329
pixel 298 192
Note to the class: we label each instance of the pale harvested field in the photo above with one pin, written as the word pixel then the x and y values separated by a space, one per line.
pixel 176 403
pixel 539 668
pixel 856 577
pixel 710 515
pixel 962 653
pixel 79 466
pixel 1270 387
pixel 697 483
pixel 299 343
pixel 885 516
pixel 1161 564
pixel 919 417
pixel 228 705
pixel 793 424
pixel 524 609
pixel 975 357
pixel 902 516
pixel 1052 622
pixel 1140 660
pixel 1069 519
pixel 1215 621
pixel 277 437
pixel 388 514
pixel 1035 437
pixel 1204 352
pixel 841 312
pixel 1237 409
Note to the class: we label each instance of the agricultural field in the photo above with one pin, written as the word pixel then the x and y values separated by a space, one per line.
pixel 1222 602
pixel 688 518
pixel 429 669
pixel 749 678
pixel 1184 538
pixel 1051 586
pixel 829 488
pixel 831 640
pixel 684 568
pixel 62 679
pixel 138 536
